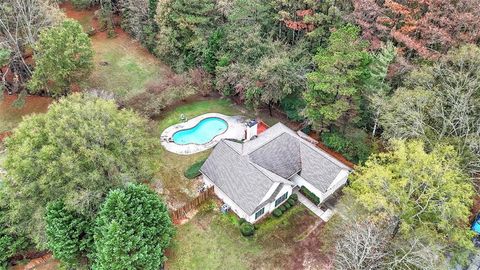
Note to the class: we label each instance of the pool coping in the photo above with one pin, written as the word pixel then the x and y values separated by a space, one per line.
pixel 228 126
pixel 235 130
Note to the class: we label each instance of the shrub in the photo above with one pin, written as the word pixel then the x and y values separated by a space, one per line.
pixel 241 221
pixel 277 212
pixel 283 208
pixel 287 205
pixel 354 145
pixel 247 229
pixel 312 197
pixel 291 201
pixel 194 170
pixel 293 106
pixel 166 92
pixel 294 197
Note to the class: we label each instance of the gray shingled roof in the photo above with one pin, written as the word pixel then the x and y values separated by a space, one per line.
pixel 317 169
pixel 245 172
pixel 236 177
pixel 280 156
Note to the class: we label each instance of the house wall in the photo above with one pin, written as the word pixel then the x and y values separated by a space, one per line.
pixel 297 179
pixel 220 194
pixel 339 182
pixel 271 206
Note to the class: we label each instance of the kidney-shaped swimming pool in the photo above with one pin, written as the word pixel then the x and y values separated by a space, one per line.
pixel 202 133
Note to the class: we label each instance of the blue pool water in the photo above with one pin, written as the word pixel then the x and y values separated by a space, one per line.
pixel 202 133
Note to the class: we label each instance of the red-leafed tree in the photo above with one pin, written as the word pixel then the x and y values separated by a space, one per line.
pixel 422 27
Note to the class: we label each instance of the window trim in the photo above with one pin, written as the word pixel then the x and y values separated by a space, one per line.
pixel 281 199
pixel 261 214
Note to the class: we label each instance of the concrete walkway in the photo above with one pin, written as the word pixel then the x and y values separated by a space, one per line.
pixel 324 215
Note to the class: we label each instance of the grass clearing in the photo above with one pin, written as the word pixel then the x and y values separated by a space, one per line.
pixel 191 110
pixel 212 240
pixel 123 67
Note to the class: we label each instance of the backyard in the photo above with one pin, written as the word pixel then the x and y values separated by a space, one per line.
pixel 209 240
pixel 170 180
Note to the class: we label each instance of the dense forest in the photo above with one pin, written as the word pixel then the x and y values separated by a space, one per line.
pixel 392 85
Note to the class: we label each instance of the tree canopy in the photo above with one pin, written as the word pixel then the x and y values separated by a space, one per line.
pixel 69 234
pixel 333 88
pixel 133 228
pixel 440 103
pixel 20 25
pixel 76 152
pixel 425 194
pixel 424 28
pixel 54 74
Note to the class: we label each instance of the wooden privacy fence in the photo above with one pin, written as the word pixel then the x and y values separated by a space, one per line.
pixel 181 213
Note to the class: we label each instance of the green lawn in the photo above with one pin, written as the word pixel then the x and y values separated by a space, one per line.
pixel 223 106
pixel 213 241
pixel 123 67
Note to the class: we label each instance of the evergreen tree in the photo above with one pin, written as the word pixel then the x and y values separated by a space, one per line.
pixel 333 91
pixel 69 235
pixel 133 228
pixel 63 55
pixel 376 86
pixel 185 27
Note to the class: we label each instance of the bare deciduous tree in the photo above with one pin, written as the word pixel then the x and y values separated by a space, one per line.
pixel 367 245
pixel 20 24
pixel 440 103
pixel 364 246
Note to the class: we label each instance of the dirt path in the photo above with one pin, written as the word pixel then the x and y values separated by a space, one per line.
pixel 11 116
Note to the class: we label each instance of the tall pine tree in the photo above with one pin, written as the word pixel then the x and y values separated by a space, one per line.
pixel 332 95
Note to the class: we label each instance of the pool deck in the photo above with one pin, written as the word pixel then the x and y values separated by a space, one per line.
pixel 235 130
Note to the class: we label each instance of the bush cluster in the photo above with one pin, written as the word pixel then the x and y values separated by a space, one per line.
pixel 194 170
pixel 292 200
pixel 247 229
pixel 312 197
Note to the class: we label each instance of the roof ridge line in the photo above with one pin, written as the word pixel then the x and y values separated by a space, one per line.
pixel 223 140
pixel 269 141
pixel 255 166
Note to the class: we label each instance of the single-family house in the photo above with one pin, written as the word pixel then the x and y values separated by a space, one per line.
pixel 256 176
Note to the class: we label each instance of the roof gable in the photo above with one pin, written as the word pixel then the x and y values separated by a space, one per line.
pixel 318 168
pixel 236 177
pixel 280 156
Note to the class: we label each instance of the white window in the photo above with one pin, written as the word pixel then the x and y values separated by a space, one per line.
pixel 281 199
